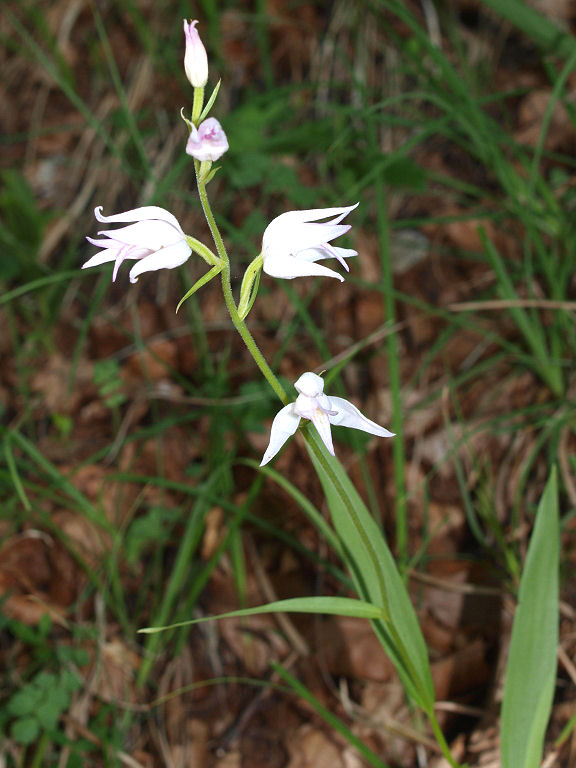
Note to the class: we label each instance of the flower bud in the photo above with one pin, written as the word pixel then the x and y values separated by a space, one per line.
pixel 195 58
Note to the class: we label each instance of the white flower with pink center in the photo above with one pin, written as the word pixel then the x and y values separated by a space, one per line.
pixel 155 240
pixel 323 411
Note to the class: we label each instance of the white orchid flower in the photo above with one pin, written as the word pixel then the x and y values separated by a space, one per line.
pixel 208 141
pixel 323 411
pixel 294 241
pixel 156 240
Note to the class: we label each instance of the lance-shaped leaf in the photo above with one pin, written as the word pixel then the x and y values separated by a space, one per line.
pixel 199 283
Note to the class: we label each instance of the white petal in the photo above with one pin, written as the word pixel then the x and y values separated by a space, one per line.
pixel 166 258
pixel 310 384
pixel 321 421
pixel 313 214
pixel 147 212
pixel 283 227
pixel 109 254
pixel 349 416
pixel 314 254
pixel 291 238
pixel 283 427
pixel 289 267
pixel 148 234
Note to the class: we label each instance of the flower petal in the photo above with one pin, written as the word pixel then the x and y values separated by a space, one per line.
pixel 148 234
pixel 321 421
pixel 313 214
pixel 289 267
pixel 291 238
pixel 283 427
pixel 166 258
pixel 309 384
pixel 147 212
pixel 285 226
pixel 324 252
pixel 349 416
pixel 109 254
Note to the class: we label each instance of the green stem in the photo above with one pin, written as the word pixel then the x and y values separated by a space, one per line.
pixel 197 105
pixel 245 334
pixel 441 740
pixel 398 449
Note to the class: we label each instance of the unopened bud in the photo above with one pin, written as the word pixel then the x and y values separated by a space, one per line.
pixel 195 58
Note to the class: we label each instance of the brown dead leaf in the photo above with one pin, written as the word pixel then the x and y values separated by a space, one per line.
pixel 230 760
pixel 311 748
pixel 59 392
pixel 531 114
pixel 351 649
pixel 28 574
pixel 29 609
pixel 255 641
pixel 213 533
pixel 463 672
pixel 113 676
pixel 89 540
pixel 154 362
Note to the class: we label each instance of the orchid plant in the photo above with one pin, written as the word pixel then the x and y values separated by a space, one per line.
pixel 292 245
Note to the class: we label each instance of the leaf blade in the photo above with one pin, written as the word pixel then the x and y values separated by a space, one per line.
pixel 531 668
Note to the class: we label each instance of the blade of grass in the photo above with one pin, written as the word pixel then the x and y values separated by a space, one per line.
pixel 330 606
pixel 531 668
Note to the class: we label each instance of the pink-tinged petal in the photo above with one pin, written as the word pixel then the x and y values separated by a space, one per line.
pixel 349 416
pixel 322 252
pixel 208 142
pixel 117 264
pixel 334 253
pixel 313 214
pixel 149 234
pixel 166 258
pixel 291 239
pixel 109 254
pixel 289 267
pixel 195 58
pixel 104 242
pixel 284 425
pixel 321 421
pixel 147 212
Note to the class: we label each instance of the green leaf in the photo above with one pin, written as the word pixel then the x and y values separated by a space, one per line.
pixel 210 102
pixel 335 606
pixel 25 730
pixel 25 701
pixel 411 661
pixel 531 669
pixel 199 283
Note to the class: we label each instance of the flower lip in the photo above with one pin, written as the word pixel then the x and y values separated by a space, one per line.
pixel 310 384
pixel 208 141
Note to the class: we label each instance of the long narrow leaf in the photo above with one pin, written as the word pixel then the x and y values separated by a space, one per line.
pixel 531 669
pixel 343 496
pixel 335 606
